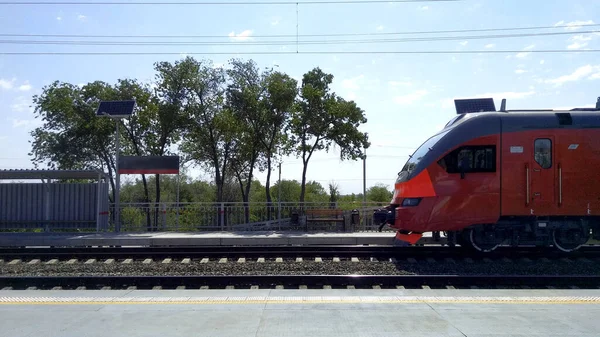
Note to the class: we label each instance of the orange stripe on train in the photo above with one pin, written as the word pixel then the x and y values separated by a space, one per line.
pixel 418 186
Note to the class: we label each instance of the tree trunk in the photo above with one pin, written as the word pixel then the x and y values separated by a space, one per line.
pixel 303 186
pixel 147 202
pixel 268 188
pixel 157 207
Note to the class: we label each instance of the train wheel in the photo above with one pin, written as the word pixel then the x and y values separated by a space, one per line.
pixel 570 238
pixel 482 240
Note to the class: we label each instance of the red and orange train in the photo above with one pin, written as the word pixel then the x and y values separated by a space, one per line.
pixel 518 177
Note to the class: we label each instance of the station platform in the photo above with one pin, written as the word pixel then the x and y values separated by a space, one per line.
pixel 156 239
pixel 281 313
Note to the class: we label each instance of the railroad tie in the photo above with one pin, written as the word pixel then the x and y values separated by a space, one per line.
pixel 53 261
pixel 34 261
pixel 187 260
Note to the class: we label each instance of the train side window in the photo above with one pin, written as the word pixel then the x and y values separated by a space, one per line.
pixel 471 159
pixel 543 152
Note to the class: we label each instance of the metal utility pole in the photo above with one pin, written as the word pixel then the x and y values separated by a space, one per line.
pixel 118 176
pixel 116 110
pixel 365 186
pixel 279 196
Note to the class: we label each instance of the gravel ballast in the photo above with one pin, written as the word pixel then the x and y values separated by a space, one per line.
pixel 306 267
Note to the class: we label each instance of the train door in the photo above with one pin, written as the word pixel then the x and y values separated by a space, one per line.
pixel 542 175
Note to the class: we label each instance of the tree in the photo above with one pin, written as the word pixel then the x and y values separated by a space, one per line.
pixel 322 119
pixel 244 94
pixel 379 193
pixel 72 136
pixel 281 91
pixel 209 134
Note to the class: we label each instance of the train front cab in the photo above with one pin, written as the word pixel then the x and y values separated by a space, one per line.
pixel 450 182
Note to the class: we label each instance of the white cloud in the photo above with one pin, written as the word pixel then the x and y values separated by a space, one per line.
pixel 352 83
pixel 399 83
pixel 424 8
pixel 81 18
pixel 410 98
pixel 530 47
pixel 520 71
pixel 379 28
pixel 579 41
pixel 25 86
pixel 6 84
pixel 522 55
pixel 464 43
pixel 542 61
pixel 335 58
pixel 577 45
pixel 490 45
pixel 351 96
pixel 574 25
pixel 21 104
pixel 589 71
pixel 275 21
pixel 59 18
pixel 581 37
pixel 243 36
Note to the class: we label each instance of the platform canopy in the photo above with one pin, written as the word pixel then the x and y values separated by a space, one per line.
pixel 52 174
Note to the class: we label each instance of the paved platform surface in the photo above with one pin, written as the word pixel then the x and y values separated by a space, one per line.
pixel 253 238
pixel 280 313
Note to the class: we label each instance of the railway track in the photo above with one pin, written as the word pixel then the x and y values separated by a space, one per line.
pixel 302 281
pixel 296 267
pixel 288 252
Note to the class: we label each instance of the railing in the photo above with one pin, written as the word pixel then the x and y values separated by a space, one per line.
pixel 228 216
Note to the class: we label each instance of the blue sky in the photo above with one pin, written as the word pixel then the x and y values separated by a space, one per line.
pixel 406 97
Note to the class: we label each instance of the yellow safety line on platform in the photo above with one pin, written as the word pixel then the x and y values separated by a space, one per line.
pixel 472 300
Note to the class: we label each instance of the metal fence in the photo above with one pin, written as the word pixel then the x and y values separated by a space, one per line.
pixel 197 217
pixel 53 207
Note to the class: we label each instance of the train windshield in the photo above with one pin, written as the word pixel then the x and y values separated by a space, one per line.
pixel 416 157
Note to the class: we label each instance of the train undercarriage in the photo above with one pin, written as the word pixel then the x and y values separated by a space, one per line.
pixel 564 233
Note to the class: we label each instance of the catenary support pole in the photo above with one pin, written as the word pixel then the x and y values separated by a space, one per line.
pixel 118 187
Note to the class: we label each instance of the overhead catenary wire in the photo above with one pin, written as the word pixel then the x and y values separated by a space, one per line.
pixel 209 3
pixel 306 35
pixel 316 52
pixel 279 43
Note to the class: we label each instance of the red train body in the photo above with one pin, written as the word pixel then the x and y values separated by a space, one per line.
pixel 491 178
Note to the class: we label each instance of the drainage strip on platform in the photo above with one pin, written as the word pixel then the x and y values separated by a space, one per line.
pixel 22 300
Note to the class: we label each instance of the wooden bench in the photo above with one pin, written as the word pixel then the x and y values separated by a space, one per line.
pixel 324 215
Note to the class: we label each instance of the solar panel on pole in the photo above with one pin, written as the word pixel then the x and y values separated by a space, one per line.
pixel 116 110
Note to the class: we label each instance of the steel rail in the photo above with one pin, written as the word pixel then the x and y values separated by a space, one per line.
pixel 287 251
pixel 294 281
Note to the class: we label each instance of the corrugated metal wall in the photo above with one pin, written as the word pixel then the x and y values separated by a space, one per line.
pixel 52 206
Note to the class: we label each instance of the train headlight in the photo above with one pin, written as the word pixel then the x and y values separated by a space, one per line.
pixel 411 202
